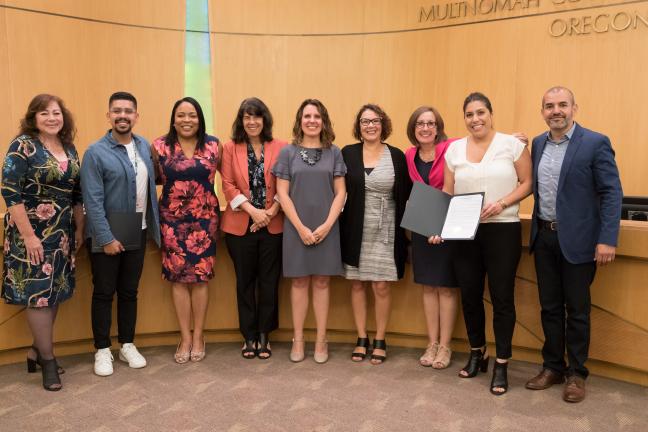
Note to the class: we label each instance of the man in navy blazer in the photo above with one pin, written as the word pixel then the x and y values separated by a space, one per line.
pixel 575 227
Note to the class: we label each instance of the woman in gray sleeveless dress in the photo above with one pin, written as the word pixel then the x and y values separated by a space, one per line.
pixel 310 187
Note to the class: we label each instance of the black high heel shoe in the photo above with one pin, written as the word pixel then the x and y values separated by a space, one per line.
pixel 264 352
pixel 49 369
pixel 377 359
pixel 476 363
pixel 362 342
pixel 249 350
pixel 32 364
pixel 500 378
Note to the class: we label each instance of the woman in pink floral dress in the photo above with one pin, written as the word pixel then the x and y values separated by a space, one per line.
pixel 187 159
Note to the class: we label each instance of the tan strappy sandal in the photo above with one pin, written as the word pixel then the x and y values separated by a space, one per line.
pixel 430 353
pixel 442 358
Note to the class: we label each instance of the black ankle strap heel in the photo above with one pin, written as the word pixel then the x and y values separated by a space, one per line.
pixel 32 364
pixel 51 380
pixel 476 363
pixel 500 378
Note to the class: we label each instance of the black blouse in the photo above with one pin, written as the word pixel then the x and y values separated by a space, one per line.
pixel 423 167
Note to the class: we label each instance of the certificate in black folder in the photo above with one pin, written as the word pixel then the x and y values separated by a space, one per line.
pixel 125 227
pixel 430 211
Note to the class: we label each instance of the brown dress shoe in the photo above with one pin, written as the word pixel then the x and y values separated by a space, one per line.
pixel 574 389
pixel 544 380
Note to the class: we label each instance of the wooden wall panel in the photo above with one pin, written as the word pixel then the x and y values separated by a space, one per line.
pixel 8 113
pixel 512 61
pixel 153 13
pixel 83 63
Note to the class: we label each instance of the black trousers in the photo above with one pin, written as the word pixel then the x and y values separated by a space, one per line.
pixel 494 252
pixel 564 290
pixel 115 273
pixel 257 264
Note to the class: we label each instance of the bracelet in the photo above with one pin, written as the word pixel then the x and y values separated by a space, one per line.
pixel 502 203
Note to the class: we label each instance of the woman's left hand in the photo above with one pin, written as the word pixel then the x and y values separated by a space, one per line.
pixel 491 209
pixel 321 232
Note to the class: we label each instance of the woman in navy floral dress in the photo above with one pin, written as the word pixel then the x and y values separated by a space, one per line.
pixel 187 159
pixel 40 185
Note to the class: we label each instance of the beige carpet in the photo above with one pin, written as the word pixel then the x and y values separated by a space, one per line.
pixel 228 393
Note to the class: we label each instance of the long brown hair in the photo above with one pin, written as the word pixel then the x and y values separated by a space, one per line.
pixel 327 136
pixel 39 103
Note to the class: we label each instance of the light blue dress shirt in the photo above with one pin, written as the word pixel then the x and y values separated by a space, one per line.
pixel 549 174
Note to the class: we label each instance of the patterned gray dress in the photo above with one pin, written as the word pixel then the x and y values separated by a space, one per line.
pixel 378 232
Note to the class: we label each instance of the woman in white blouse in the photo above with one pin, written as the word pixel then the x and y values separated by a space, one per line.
pixel 500 166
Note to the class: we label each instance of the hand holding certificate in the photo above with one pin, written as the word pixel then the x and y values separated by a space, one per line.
pixel 430 212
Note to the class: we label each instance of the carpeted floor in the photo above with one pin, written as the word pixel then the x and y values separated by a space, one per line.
pixel 228 393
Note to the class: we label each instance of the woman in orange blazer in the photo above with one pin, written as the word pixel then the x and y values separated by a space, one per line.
pixel 253 223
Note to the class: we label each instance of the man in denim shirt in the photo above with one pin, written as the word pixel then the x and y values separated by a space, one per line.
pixel 117 176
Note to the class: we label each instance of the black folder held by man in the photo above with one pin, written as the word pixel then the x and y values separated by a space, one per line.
pixel 430 211
pixel 126 228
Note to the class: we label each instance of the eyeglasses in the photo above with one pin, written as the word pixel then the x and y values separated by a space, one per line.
pixel 118 111
pixel 374 121
pixel 429 124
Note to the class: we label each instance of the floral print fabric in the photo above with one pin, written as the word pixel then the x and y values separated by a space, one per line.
pixel 188 211
pixel 32 176
pixel 256 178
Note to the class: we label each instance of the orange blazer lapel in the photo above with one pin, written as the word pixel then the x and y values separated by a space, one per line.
pixel 269 155
pixel 240 154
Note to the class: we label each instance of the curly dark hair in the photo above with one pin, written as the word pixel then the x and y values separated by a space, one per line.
pixel 254 107
pixel 39 103
pixel 327 136
pixel 411 125
pixel 385 122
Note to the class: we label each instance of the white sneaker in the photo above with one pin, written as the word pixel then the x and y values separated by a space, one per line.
pixel 129 354
pixel 103 362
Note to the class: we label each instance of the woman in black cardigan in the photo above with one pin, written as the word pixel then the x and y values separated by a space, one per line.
pixel 374 247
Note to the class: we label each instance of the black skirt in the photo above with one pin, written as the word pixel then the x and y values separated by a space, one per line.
pixel 433 264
